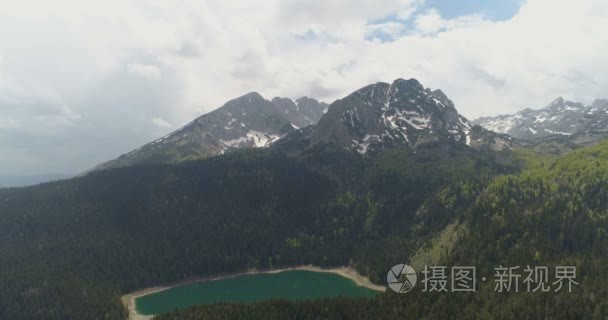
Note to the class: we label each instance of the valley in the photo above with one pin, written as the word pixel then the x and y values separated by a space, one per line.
pixel 297 283
pixel 304 160
pixel 387 176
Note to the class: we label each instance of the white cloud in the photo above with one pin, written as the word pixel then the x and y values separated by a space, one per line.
pixel 392 29
pixel 78 90
pixel 407 11
pixel 146 71
pixel 32 99
pixel 9 124
pixel 162 123
pixel 430 22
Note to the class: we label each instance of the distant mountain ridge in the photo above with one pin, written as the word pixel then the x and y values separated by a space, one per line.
pixel 377 116
pixel 9 181
pixel 402 113
pixel 560 117
pixel 249 121
pixel 390 171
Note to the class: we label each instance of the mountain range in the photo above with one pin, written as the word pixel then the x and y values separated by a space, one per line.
pixel 249 121
pixel 560 117
pixel 389 174
pixel 402 113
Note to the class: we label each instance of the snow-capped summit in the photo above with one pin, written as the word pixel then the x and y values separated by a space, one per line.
pixel 561 105
pixel 560 117
pixel 301 113
pixel 384 115
pixel 249 121
pixel 381 115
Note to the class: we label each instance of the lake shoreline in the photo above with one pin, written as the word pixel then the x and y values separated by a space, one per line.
pixel 128 300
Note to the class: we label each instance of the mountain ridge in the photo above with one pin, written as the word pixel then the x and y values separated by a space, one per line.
pixel 374 117
pixel 384 115
pixel 249 121
pixel 433 196
pixel 560 117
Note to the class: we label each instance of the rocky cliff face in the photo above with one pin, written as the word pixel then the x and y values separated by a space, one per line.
pixel 249 121
pixel 560 117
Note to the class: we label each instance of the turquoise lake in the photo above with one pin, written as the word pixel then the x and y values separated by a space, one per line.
pixel 289 285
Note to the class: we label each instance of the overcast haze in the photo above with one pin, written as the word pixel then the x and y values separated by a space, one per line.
pixel 82 82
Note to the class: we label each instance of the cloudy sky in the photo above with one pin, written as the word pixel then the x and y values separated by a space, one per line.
pixel 82 82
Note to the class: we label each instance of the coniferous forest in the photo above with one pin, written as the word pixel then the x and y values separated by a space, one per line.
pixel 71 249
pixel 304 160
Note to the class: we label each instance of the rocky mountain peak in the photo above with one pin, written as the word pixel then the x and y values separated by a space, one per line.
pixel 560 117
pixel 559 101
pixel 383 115
pixel 302 112
pixel 249 121
pixel 402 113
pixel 599 103
pixel 561 105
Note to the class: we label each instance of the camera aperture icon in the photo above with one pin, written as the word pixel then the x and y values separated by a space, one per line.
pixel 401 278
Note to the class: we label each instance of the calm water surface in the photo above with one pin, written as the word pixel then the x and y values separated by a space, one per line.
pixel 289 285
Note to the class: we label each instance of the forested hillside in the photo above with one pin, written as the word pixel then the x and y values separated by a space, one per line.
pixel 70 249
pixel 551 213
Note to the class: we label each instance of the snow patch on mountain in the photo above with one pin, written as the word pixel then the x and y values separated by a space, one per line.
pixel 560 117
pixel 400 113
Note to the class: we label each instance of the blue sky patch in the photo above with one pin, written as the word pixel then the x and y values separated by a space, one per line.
pixel 493 9
pixel 497 10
